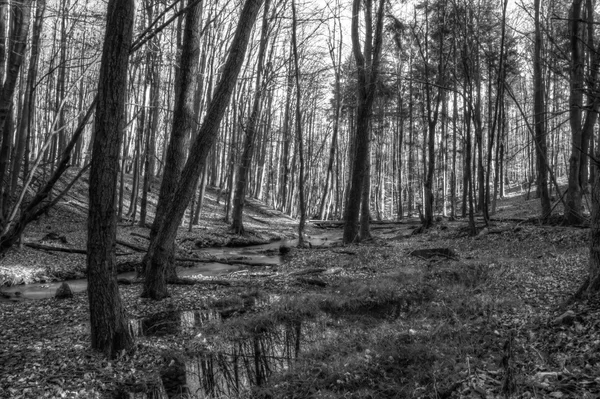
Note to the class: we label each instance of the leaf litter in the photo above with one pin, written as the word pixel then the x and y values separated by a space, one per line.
pixel 493 323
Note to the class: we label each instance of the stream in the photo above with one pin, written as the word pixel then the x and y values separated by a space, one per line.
pixel 259 254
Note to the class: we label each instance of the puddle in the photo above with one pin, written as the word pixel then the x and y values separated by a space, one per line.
pixel 227 356
pixel 230 366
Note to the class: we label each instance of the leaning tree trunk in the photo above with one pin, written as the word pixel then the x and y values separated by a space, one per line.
pixel 110 331
pixel 159 252
pixel 182 125
pixel 241 186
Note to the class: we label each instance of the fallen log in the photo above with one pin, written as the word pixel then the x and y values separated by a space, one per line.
pixel 198 260
pixel 428 253
pixel 53 248
pixel 131 246
pixel 191 281
pixel 312 281
pixel 139 235
pixel 260 220
pixel 303 272
pixel 43 247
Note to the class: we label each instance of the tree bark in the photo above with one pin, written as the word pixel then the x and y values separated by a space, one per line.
pixel 159 251
pixel 110 331
pixel 29 98
pixel 21 15
pixel 181 129
pixel 299 138
pixel 539 118
pixel 367 67
pixel 237 225
pixel 573 214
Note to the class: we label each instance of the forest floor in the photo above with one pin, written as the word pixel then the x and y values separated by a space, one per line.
pixel 433 315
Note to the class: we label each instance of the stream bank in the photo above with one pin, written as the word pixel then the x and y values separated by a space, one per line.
pixel 373 320
pixel 256 257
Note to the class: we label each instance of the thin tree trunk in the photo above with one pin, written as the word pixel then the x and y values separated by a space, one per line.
pixel 299 138
pixel 29 98
pixel 573 213
pixel 539 119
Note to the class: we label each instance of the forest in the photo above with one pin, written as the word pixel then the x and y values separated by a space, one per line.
pixel 299 199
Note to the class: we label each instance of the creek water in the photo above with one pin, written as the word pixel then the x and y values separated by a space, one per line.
pixel 225 362
pixel 264 254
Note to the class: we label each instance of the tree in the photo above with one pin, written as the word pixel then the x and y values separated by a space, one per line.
pixel 336 61
pixel 20 11
pixel 159 251
pixel 299 138
pixel 539 120
pixel 183 122
pixel 110 331
pixel 573 213
pixel 367 64
pixel 251 128
pixel 433 99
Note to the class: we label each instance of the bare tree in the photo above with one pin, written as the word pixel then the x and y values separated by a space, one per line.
pixel 159 252
pixel 367 64
pixel 109 325
pixel 250 129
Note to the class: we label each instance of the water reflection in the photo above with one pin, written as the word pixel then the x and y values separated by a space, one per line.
pixel 230 367
pixel 227 356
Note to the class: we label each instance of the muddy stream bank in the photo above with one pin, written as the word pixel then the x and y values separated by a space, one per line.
pixel 261 255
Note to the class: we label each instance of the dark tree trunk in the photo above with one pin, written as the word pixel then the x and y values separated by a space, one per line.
pixel 21 16
pixel 252 126
pixel 29 98
pixel 160 248
pixel 592 284
pixel 182 125
pixel 110 331
pixel 368 65
pixel 573 212
pixel 539 119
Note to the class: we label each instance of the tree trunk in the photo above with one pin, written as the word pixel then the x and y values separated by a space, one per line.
pixel 573 212
pixel 592 284
pixel 181 128
pixel 159 251
pixel 21 15
pixel 237 225
pixel 29 98
pixel 299 138
pixel 367 66
pixel 539 119
pixel 110 331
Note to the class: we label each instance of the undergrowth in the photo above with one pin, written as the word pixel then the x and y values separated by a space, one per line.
pixel 400 335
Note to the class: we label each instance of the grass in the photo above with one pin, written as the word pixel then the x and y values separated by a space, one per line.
pixel 407 334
